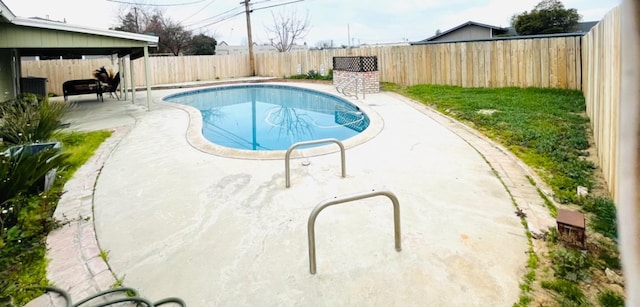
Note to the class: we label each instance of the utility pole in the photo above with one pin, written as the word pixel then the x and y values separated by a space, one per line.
pixel 252 65
pixel 135 12
pixel 348 36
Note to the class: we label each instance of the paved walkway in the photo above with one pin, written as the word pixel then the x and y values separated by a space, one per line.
pixel 179 219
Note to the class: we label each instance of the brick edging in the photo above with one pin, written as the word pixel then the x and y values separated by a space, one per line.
pixel 75 264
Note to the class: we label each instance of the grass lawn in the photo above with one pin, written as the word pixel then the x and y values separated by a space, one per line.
pixel 549 131
pixel 546 128
pixel 22 254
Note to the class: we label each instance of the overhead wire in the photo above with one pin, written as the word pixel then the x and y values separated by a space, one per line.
pixel 198 11
pixel 228 14
pixel 279 4
pixel 152 4
pixel 216 18
pixel 217 21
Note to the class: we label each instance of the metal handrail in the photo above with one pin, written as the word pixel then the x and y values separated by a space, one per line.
pixel 343 83
pixel 287 156
pixel 335 201
pixel 346 82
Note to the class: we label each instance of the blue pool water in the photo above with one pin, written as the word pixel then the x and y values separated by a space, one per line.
pixel 271 117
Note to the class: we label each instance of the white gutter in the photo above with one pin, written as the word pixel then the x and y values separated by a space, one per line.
pixel 44 24
pixel 6 12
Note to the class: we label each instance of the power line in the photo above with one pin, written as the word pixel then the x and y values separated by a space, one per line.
pixel 270 6
pixel 200 10
pixel 220 18
pixel 217 21
pixel 216 18
pixel 148 4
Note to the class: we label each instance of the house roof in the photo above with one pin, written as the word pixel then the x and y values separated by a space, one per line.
pixel 508 32
pixel 498 38
pixel 466 24
pixel 56 39
pixel 586 26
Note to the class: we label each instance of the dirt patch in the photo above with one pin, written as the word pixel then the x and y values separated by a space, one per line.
pixel 487 111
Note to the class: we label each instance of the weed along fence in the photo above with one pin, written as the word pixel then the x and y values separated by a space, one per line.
pixel 601 88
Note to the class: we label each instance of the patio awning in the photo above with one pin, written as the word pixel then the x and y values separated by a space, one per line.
pixel 21 36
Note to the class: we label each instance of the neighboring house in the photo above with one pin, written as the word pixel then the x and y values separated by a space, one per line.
pixel 374 45
pixel 585 26
pixel 29 37
pixel 470 31
pixel 224 48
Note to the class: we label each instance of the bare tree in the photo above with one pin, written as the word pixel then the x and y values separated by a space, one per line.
pixel 173 38
pixel 286 29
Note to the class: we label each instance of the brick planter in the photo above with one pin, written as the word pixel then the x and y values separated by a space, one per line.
pixel 371 80
pixel 363 70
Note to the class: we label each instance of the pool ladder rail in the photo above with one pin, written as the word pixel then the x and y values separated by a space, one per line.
pixel 311 233
pixel 287 157
pixel 345 84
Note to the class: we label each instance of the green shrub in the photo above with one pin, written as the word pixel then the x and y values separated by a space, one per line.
pixel 571 264
pixel 570 293
pixel 22 254
pixel 30 119
pixel 313 75
pixel 604 218
pixel 610 298
pixel 19 173
pixel 297 77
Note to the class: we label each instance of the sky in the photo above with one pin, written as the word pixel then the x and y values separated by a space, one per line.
pixel 344 22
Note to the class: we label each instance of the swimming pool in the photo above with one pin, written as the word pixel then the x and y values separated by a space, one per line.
pixel 269 117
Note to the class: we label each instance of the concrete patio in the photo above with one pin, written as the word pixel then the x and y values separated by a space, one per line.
pixel 179 217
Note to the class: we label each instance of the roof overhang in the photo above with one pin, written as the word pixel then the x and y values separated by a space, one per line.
pixel 133 52
pixel 5 13
pixel 54 38
pixel 61 26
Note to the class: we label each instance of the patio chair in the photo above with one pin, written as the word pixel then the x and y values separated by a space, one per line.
pixel 112 86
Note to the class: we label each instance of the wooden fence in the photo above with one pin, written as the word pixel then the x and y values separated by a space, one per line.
pixel 601 88
pixel 537 62
pixel 164 70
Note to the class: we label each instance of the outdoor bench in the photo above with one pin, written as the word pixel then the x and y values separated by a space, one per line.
pixel 83 86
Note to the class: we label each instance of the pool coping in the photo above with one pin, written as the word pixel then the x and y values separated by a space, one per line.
pixel 197 140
